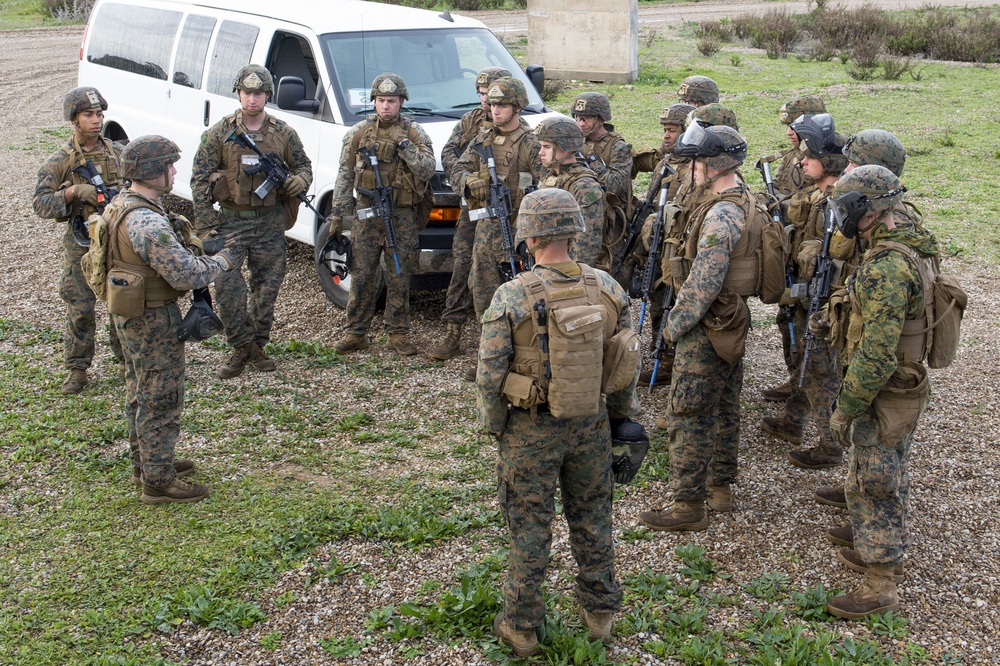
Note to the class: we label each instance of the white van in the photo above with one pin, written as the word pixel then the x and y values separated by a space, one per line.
pixel 167 67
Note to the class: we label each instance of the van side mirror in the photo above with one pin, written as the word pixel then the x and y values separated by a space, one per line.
pixel 536 74
pixel 291 95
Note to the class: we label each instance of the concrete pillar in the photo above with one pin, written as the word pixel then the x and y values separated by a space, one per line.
pixel 592 40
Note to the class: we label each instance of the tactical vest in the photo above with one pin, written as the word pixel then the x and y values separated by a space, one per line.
pixel 790 177
pixel 393 170
pixel 603 147
pixel 472 124
pixel 105 160
pixel 806 212
pixel 613 229
pixel 237 158
pixel 506 152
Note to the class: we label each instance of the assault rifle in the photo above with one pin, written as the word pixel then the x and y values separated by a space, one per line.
pixel 104 196
pixel 649 269
pixel 786 310
pixel 542 319
pixel 641 213
pixel 668 305
pixel 819 288
pixel 273 167
pixel 499 208
pixel 382 204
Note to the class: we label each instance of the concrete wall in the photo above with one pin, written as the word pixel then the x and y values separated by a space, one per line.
pixel 592 40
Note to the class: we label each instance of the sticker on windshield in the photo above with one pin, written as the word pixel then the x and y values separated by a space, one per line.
pixel 358 97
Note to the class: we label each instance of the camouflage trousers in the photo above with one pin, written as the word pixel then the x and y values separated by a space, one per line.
pixel 368 243
pixel 154 390
pixel 815 399
pixel 534 455
pixel 458 300
pixel 704 414
pixel 878 492
pixel 487 255
pixel 81 320
pixel 248 314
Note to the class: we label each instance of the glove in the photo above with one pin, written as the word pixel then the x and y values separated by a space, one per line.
pixel 85 192
pixel 294 186
pixel 840 428
pixel 819 324
pixel 786 297
pixel 336 224
pixel 397 134
pixel 228 258
pixel 230 242
pixel 477 187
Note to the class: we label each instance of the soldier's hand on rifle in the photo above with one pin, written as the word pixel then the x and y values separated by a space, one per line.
pixel 294 186
pixel 806 259
pixel 336 224
pixel 85 192
pixel 819 324
pixel 477 187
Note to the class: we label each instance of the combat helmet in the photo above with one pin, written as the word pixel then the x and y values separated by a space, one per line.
pixel 148 156
pixel 550 212
pixel 868 189
pixel 800 106
pixel 488 75
pixel 815 133
pixel 592 104
pixel 81 99
pixel 720 147
pixel 561 131
pixel 389 84
pixel 508 90
pixel 254 78
pixel 675 114
pixel 710 115
pixel 698 90
pixel 875 146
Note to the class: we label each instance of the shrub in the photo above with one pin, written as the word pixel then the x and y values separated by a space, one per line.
pixel 553 88
pixel 721 30
pixel 866 57
pixel 69 10
pixel 708 46
pixel 775 31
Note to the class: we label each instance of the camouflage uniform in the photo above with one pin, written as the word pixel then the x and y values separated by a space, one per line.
pixel 577 179
pixel 49 202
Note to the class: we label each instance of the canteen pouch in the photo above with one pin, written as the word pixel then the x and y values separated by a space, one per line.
pixel 901 402
pixel 522 391
pixel 621 357
pixel 126 293
pixel 726 325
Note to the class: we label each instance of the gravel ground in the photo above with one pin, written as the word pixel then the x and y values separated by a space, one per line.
pixel 952 591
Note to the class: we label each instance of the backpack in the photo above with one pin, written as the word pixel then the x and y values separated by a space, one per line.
pixel 95 262
pixel 614 229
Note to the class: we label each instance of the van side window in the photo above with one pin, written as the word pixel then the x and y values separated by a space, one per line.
pixel 133 39
pixel 291 56
pixel 189 65
pixel 233 48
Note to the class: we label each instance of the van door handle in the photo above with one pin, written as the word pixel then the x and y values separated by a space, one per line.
pixel 205 119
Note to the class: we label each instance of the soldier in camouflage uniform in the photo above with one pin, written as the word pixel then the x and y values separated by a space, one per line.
pixel 651 160
pixel 823 161
pixel 538 450
pixel 63 193
pixel 406 164
pixel 885 387
pixel 604 149
pixel 458 300
pixel 218 176
pixel 560 142
pixel 698 91
pixel 144 239
pixel 708 324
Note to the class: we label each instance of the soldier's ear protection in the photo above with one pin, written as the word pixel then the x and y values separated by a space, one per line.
pixel 850 207
pixel 200 322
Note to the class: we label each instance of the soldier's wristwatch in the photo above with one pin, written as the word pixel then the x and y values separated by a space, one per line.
pixel 403 144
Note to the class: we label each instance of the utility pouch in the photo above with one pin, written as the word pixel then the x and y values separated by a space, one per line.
pixel 900 403
pixel 126 293
pixel 621 357
pixel 726 325
pixel 218 187
pixel 679 269
pixel 522 391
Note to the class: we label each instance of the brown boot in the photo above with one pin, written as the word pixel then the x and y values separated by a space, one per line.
pixel 179 491
pixel 524 643
pixel 351 342
pixel 831 496
pixel 237 363
pixel 779 393
pixel 720 498
pixel 75 382
pixel 816 457
pixel 662 376
pixel 181 467
pixel 841 536
pixel 662 423
pixel 850 559
pixel 876 595
pixel 598 624
pixel 679 516
pixel 782 428
pixel 469 374
pixel 261 361
pixel 450 345
pixel 400 343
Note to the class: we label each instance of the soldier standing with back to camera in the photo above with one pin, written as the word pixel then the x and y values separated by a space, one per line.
pixel 458 299
pixel 551 435
pixel 406 164
pixel 145 240
pixel 605 151
pixel 63 193
pixel 219 174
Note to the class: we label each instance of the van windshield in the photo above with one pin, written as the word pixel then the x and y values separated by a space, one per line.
pixel 438 66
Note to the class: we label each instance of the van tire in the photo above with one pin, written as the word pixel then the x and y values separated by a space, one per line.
pixel 326 259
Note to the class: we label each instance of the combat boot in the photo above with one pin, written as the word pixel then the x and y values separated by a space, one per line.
pixel 75 382
pixel 779 393
pixel 662 376
pixel 400 343
pixel 782 428
pixel 679 516
pixel 351 342
pixel 524 643
pixel 720 498
pixel 450 345
pixel 237 363
pixel 469 374
pixel 831 496
pixel 262 361
pixel 841 536
pixel 816 457
pixel 850 559
pixel 121 370
pixel 181 467
pixel 598 624
pixel 179 491
pixel 875 595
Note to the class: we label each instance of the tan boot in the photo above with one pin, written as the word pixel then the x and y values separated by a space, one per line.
pixel 179 491
pixel 261 361
pixel 876 595
pixel 831 496
pixel 181 467
pixel 598 624
pixel 782 429
pixel 663 376
pixel 75 382
pixel 351 342
pixel 841 536
pixel 469 374
pixel 450 345
pixel 779 393
pixel 816 457
pixel 400 343
pixel 237 363
pixel 720 498
pixel 850 559
pixel 679 516
pixel 524 643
